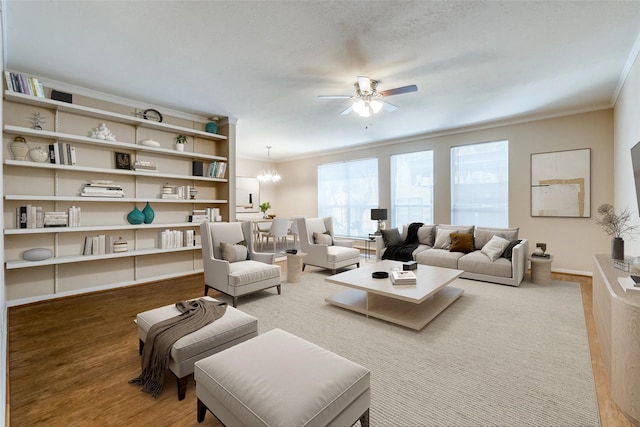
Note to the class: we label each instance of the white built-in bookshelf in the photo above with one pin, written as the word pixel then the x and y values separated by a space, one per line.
pixel 55 187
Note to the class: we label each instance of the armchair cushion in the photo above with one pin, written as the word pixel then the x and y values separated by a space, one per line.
pixel 247 272
pixel 234 253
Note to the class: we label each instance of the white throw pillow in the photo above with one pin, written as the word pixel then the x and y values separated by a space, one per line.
pixel 233 253
pixel 495 247
pixel 443 238
pixel 425 235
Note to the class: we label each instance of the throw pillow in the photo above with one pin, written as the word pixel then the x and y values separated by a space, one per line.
pixel 508 252
pixel 483 234
pixel 391 237
pixel 495 247
pixel 426 235
pixel 443 238
pixel 322 238
pixel 461 242
pixel 233 253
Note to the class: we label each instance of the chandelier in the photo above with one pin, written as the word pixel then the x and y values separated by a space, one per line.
pixel 269 175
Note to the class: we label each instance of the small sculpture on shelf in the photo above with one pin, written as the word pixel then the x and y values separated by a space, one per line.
pixel 37 120
pixel 102 132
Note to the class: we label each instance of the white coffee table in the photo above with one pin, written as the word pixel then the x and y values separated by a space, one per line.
pixel 412 306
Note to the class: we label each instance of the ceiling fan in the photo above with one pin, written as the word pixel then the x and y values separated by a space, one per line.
pixel 367 100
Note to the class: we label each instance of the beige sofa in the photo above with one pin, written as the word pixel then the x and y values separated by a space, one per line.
pixel 483 260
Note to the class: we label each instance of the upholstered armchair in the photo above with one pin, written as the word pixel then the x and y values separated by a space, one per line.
pixel 230 264
pixel 323 250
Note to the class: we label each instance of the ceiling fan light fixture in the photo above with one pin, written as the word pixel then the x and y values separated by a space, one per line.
pixel 360 107
pixel 376 106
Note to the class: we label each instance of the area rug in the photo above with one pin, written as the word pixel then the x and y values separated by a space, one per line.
pixel 499 356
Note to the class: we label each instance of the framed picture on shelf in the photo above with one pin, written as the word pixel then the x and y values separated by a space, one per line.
pixel 123 161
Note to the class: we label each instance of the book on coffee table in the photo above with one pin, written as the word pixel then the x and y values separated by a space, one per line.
pixel 403 277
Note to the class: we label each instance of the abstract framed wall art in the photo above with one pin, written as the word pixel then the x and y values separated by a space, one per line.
pixel 561 184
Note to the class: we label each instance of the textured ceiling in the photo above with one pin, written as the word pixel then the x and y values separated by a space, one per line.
pixel 265 62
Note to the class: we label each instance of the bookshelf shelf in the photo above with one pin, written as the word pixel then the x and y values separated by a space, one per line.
pixel 106 115
pixel 86 229
pixel 56 187
pixel 12 265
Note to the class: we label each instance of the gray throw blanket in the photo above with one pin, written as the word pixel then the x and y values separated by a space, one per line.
pixel 161 337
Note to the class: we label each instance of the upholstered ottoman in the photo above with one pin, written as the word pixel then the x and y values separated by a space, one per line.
pixel 231 329
pixel 279 379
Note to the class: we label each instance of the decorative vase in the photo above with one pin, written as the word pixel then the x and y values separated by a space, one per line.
pixel 19 148
pixel 617 248
pixel 39 154
pixel 135 216
pixel 211 127
pixel 180 147
pixel 149 214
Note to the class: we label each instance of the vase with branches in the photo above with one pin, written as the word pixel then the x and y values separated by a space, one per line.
pixel 617 226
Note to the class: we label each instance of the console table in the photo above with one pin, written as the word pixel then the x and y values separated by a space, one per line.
pixel 617 318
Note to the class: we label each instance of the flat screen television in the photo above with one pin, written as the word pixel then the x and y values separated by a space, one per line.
pixel 635 161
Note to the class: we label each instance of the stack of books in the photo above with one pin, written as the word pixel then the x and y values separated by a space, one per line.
pixel 62 153
pixel 141 165
pixel 199 216
pixel 56 219
pixel 102 188
pixel 402 277
pixel 216 169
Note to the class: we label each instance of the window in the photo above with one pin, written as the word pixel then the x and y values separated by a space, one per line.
pixel 411 188
pixel 347 192
pixel 480 184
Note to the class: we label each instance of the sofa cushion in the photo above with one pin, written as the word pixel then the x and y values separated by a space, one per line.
pixel 461 242
pixel 426 235
pixel 233 253
pixel 478 263
pixel 508 252
pixel 439 258
pixel 391 237
pixel 322 238
pixel 495 247
pixel 482 235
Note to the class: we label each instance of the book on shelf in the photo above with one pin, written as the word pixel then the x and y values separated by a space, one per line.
pixel 98 245
pixel 403 277
pixel 23 84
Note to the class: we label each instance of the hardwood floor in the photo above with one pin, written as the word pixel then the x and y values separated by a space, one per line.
pixel 70 360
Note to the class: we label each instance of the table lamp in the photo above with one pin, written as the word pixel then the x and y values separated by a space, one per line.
pixel 379 215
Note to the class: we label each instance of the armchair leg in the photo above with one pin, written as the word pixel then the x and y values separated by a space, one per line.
pixel 206 290
pixel 364 419
pixel 235 302
pixel 279 293
pixel 303 266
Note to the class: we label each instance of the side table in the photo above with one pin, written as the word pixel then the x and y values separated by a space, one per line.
pixel 294 266
pixel 541 269
pixel 367 247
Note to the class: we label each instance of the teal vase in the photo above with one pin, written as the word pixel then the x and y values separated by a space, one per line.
pixel 135 216
pixel 149 214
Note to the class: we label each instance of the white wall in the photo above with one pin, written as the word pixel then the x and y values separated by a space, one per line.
pixel 268 191
pixel 572 241
pixel 626 135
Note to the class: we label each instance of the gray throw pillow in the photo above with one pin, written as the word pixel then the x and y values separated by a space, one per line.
pixel 391 237
pixel 426 235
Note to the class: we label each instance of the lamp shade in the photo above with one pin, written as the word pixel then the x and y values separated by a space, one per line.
pixel 379 214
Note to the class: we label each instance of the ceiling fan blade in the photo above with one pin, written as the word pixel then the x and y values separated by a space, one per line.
pixel 364 83
pixel 346 111
pixel 334 96
pixel 389 107
pixel 399 90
